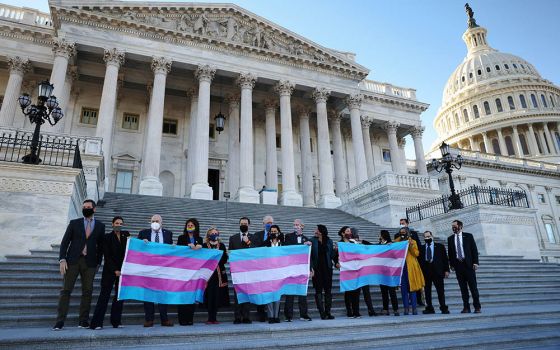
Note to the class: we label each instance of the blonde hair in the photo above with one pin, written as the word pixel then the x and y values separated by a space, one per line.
pixel 210 229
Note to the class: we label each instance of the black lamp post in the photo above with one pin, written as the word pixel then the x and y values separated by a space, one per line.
pixel 220 121
pixel 449 162
pixel 46 109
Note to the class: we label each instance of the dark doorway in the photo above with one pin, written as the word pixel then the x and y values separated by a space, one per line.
pixel 214 182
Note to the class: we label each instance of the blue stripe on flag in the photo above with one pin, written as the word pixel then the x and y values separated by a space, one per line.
pixel 160 297
pixel 267 252
pixel 173 250
pixel 376 279
pixel 266 298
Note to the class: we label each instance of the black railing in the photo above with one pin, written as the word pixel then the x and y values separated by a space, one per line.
pixel 470 196
pixel 52 150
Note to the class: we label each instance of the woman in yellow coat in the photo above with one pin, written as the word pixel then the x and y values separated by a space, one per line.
pixel 412 278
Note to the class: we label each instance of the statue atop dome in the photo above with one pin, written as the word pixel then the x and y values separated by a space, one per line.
pixel 470 14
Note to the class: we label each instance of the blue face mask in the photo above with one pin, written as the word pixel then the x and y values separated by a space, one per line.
pixel 267 227
pixel 213 238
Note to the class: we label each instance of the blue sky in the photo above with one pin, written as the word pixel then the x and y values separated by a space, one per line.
pixel 414 43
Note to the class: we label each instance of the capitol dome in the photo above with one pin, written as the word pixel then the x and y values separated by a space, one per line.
pixel 498 103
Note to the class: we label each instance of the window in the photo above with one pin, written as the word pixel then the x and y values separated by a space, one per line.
pixel 482 147
pixel 470 75
pixel 550 232
pixel 487 108
pixel 278 141
pixel 514 66
pixel 488 69
pixel 541 198
pixel 465 116
pixel 543 99
pixel 499 105
pixel 169 126
pixel 496 146
pixel 511 103
pixel 497 67
pixel 386 155
pixel 523 142
pixel 456 120
pixel 506 66
pixel 130 121
pixel 124 182
pixel 89 116
pixel 212 131
pixel 509 146
pixel 523 102
pixel 534 100
pixel 463 78
pixel 476 113
pixel 1 100
pixel 479 72
pixel 557 199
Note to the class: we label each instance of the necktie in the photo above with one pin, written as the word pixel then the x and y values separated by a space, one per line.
pixel 88 233
pixel 157 237
pixel 459 249
pixel 429 253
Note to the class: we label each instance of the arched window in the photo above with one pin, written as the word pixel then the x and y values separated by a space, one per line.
pixel 496 146
pixel 511 104
pixel 506 66
pixel 482 147
pixel 465 116
pixel 456 120
pixel 499 105
pixel 543 99
pixel 523 142
pixel 534 101
pixel 488 69
pixel 476 113
pixel 523 102
pixel 463 78
pixel 479 72
pixel 514 66
pixel 509 146
pixel 497 67
pixel 487 108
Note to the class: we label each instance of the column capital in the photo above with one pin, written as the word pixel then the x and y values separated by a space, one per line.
pixel 18 65
pixel 161 65
pixel 321 94
pixel 334 116
pixel 63 48
pixel 192 92
pixel 417 131
pixel 270 103
pixel 233 100
pixel 246 80
pixel 531 187
pixel 205 73
pixel 391 127
pixel 303 111
pixel 284 87
pixel 366 123
pixel 114 57
pixel 354 101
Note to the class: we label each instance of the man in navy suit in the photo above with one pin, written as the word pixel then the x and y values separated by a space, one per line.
pixel 81 254
pixel 435 267
pixel 156 233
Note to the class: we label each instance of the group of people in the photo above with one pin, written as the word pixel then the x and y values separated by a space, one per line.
pixel 85 244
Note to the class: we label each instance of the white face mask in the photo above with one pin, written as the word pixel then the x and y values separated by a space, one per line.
pixel 156 226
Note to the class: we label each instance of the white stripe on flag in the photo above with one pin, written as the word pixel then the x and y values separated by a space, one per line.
pixel 171 273
pixel 358 264
pixel 270 274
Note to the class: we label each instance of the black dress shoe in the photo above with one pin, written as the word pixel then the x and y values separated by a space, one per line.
pixel 288 320
pixel 323 317
pixel 83 324
pixel 58 326
pixel 305 318
pixel 372 313
pixel 476 310
pixel 330 317
pixel 466 311
pixel 445 312
pixel 247 321
pixel 236 321
pixel 428 311
pixel 271 320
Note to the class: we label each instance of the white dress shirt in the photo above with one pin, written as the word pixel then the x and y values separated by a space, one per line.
pixel 160 233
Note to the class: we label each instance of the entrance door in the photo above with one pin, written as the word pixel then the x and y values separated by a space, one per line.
pixel 214 182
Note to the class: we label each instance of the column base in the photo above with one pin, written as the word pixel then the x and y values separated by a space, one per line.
pixel 329 201
pixel 291 198
pixel 202 191
pixel 151 186
pixel 269 197
pixel 247 195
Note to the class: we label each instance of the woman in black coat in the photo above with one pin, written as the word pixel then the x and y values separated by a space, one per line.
pixel 216 294
pixel 190 237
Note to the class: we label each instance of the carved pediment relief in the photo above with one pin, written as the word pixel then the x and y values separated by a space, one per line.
pixel 219 25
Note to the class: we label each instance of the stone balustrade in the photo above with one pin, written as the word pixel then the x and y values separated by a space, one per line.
pixel 509 161
pixel 387 89
pixel 25 15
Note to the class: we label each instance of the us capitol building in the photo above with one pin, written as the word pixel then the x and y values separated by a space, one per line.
pixel 144 87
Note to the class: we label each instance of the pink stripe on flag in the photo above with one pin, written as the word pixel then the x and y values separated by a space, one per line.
pixel 163 284
pixel 391 254
pixel 369 270
pixel 269 286
pixel 168 261
pixel 268 263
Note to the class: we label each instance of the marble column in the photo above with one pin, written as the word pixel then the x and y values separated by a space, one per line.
pixel 543 142
pixel 553 146
pixel 502 142
pixel 71 77
pixel 17 67
pixel 246 192
pixel 366 123
pixel 338 153
pixel 417 132
pixel 150 183
pixel 354 103
pixel 391 129
pixel 533 141
pixel 200 188
pixel 192 94
pixel 290 196
pixel 271 180
pixel 114 59
pixel 403 166
pixel 517 142
pixel 233 143
pixel 487 145
pixel 306 160
pixel 63 51
pixel 327 199
pixel 472 145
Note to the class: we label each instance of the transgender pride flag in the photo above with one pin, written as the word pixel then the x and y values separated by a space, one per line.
pixel 165 273
pixel 262 275
pixel 362 265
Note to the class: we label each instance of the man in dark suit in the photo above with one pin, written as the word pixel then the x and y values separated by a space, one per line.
pixel 80 254
pixel 414 235
pixel 114 247
pixel 463 257
pixel 260 239
pixel 156 233
pixel 243 240
pixel 296 238
pixel 435 267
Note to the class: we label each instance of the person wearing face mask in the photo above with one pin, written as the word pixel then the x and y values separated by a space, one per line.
pixel 435 267
pixel 386 291
pixel 81 253
pixel 260 240
pixel 324 257
pixel 243 240
pixel 412 279
pixel 216 294
pixel 463 258
pixel 414 235
pixel 157 234
pixel 295 238
pixel 351 297
pixel 114 247
pixel 274 240
pixel 191 238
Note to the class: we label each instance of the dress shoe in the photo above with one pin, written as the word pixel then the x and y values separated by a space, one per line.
pixel 168 323
pixel 323 317
pixel 236 321
pixel 277 320
pixel 357 316
pixel 149 324
pixel 118 326
pixel 288 320
pixel 414 312
pixel 428 312
pixel 271 321
pixel 396 313
pixel 58 326
pixel 477 310
pixel 372 313
pixel 466 311
pixel 305 318
pixel 83 324
pixel 445 311
pixel 330 317
pixel 247 321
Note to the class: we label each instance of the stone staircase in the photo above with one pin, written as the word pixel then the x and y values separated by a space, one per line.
pixel 520 305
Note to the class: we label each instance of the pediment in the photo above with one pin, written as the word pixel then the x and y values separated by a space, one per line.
pixel 212 25
pixel 125 157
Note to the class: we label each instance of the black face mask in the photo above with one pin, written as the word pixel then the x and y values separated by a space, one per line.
pixel 404 236
pixel 117 228
pixel 428 241
pixel 243 228
pixel 273 236
pixel 87 212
